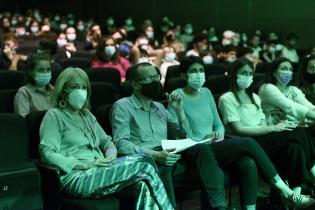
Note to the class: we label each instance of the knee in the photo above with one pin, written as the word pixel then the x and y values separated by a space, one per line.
pixel 250 144
pixel 295 148
pixel 246 163
pixel 205 149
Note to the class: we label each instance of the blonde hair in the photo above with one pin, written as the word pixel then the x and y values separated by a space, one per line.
pixel 67 75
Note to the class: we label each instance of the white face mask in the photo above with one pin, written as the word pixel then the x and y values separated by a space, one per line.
pixel 230 59
pixel 71 37
pixel 208 59
pixel 170 57
pixel 144 60
pixel 226 42
pixel 150 34
pixel 80 27
pixel 34 29
pixel 21 33
pixel 244 82
pixel 77 98
pixel 196 80
pixel 61 42
pixel 63 26
pixel 110 50
pixel 143 42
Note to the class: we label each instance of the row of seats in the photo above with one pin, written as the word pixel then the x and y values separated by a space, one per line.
pixel 45 189
pixel 15 79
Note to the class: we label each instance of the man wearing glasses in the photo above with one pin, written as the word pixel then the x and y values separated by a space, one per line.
pixel 139 124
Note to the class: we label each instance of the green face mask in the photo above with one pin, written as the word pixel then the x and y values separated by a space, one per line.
pixel 77 98
pixel 42 79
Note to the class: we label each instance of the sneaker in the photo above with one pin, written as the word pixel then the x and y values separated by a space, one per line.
pixel 298 201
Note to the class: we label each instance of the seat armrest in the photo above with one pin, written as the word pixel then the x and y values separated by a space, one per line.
pixel 50 185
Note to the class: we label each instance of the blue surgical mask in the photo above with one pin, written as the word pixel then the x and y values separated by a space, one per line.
pixel 196 80
pixel 285 77
pixel 170 57
pixel 42 79
pixel 208 59
pixel 243 81
pixel 110 50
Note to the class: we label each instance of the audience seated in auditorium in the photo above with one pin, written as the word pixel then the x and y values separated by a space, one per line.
pixel 282 101
pixel 288 146
pixel 72 140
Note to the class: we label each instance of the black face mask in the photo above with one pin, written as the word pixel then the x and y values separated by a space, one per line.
pixel 309 77
pixel 151 90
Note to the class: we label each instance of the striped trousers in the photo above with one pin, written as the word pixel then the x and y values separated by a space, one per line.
pixel 125 171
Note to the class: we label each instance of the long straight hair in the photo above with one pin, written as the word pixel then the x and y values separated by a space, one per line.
pixel 238 64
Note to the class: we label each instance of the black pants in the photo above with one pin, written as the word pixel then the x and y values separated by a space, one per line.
pixel 229 154
pixel 197 164
pixel 292 152
pixel 207 166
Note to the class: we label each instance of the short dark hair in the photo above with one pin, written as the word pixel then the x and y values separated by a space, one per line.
pixel 32 62
pixel 186 62
pixel 48 42
pixel 200 37
pixel 133 72
pixel 291 36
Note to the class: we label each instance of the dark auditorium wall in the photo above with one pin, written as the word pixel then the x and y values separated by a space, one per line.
pixel 282 16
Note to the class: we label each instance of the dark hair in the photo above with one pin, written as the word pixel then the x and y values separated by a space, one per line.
pixel 229 48
pixel 244 51
pixel 302 71
pixel 238 64
pixel 32 62
pixel 186 62
pixel 291 36
pixel 133 72
pixel 100 54
pixel 273 68
pixel 200 37
pixel 48 42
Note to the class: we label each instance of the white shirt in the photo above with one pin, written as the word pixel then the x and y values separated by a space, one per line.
pixel 290 54
pixel 290 104
pixel 163 69
pixel 247 114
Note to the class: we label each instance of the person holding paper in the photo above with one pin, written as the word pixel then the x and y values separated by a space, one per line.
pixel 288 146
pixel 139 124
pixel 203 121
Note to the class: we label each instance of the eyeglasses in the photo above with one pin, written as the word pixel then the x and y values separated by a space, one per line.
pixel 149 79
pixel 286 69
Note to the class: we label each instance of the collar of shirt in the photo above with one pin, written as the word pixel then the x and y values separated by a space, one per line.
pixel 46 90
pixel 138 105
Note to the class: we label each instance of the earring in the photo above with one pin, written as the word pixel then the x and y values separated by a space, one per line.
pixel 62 103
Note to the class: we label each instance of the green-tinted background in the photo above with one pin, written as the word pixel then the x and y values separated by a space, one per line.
pixel 281 16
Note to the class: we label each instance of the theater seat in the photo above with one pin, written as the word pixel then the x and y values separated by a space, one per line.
pixel 11 79
pixel 78 62
pixel 19 177
pixel 52 197
pixel 7 100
